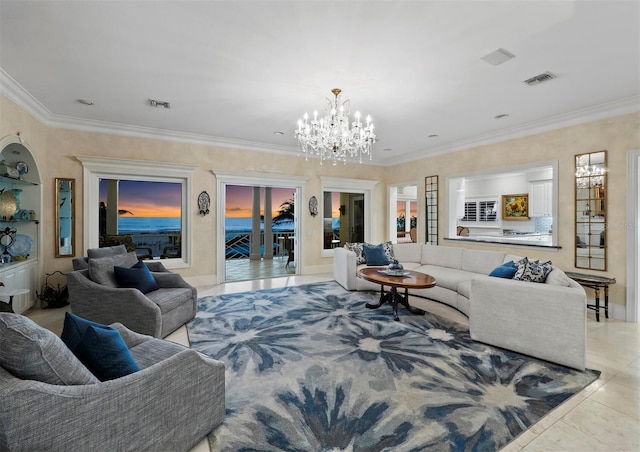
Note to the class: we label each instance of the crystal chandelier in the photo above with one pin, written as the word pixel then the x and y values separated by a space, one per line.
pixel 330 137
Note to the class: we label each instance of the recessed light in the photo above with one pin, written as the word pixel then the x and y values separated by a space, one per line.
pixel 84 101
pixel 277 132
pixel 433 135
pixel 387 149
pixel 503 115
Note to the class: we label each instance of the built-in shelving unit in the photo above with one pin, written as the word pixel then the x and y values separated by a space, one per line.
pixel 23 271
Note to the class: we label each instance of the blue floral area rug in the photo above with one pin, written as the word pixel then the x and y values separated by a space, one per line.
pixel 309 368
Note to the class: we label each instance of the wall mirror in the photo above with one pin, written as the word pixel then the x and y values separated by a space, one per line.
pixel 343 218
pixel 431 209
pixel 591 210
pixel 64 214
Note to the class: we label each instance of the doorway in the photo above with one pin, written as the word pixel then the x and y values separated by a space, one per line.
pixel 259 231
pixel 274 253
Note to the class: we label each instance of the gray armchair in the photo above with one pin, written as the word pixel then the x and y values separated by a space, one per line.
pixel 94 294
pixel 173 402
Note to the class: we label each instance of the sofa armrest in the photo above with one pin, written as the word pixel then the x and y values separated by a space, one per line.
pixel 170 405
pixel 541 320
pixel 105 304
pixel 344 268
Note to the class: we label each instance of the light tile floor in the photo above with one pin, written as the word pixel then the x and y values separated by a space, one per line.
pixel 605 416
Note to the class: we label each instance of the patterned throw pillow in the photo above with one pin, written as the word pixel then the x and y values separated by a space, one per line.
pixel 388 250
pixel 533 271
pixel 357 248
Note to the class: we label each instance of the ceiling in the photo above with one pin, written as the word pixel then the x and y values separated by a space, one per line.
pixel 235 72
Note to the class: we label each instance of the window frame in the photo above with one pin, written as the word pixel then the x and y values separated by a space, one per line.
pixel 96 168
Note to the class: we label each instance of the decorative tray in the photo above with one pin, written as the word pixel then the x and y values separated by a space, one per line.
pixel 394 272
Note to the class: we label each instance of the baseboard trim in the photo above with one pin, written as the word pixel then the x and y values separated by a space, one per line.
pixel 315 269
pixel 202 280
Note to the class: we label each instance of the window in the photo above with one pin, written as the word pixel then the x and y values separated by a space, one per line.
pixel 480 211
pixel 150 212
pixel 174 175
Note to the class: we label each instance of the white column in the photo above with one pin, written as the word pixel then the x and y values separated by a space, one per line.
pixel 268 233
pixel 254 252
pixel 407 216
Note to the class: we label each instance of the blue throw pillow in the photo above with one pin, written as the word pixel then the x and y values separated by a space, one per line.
pixel 375 255
pixel 74 328
pixel 105 354
pixel 506 270
pixel 138 277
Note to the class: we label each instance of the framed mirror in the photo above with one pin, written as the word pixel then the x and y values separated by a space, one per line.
pixel 431 209
pixel 591 210
pixel 64 214
pixel 343 218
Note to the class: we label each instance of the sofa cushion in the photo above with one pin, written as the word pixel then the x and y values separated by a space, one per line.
pixel 358 249
pixel 443 256
pixel 137 277
pixel 506 270
pixel 31 352
pixel 168 299
pixel 105 353
pixel 558 277
pixel 95 253
pixel 153 351
pixel 447 278
pixel 534 271
pixel 464 289
pixel 480 261
pixel 101 269
pixel 408 252
pixel 375 255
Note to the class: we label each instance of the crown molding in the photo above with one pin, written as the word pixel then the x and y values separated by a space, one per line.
pixel 594 113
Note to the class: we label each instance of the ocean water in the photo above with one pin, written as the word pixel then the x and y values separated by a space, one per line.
pixel 132 225
pixel 243 224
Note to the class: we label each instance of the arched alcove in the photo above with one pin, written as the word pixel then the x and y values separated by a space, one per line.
pixel 20 215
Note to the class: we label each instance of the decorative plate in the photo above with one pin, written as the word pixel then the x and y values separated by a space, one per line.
pixel 22 168
pixel 21 246
pixel 8 204
pixel 394 272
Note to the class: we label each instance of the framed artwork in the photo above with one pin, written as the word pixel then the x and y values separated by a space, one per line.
pixel 515 207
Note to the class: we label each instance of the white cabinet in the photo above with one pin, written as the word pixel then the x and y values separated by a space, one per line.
pixel 21 275
pixel 541 199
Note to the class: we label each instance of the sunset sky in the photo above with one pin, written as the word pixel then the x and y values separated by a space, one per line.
pixel 163 199
pixel 147 199
pixel 402 208
pixel 239 200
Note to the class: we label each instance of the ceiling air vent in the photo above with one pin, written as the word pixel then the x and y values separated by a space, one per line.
pixel 540 78
pixel 159 103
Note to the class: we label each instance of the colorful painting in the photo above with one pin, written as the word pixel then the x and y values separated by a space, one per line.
pixel 515 207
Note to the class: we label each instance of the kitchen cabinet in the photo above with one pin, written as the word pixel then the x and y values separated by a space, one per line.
pixel 540 199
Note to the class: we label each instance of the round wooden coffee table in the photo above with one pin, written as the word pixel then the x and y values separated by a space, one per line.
pixel 408 280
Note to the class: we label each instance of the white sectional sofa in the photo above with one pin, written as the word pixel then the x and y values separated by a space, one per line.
pixel 545 320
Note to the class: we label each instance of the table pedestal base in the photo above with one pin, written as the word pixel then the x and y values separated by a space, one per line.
pixel 395 298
